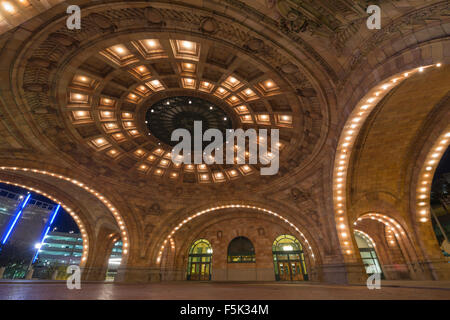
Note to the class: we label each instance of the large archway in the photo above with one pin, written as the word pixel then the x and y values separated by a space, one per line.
pixel 40 235
pixel 376 120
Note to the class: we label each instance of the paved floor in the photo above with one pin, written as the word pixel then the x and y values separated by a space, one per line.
pixel 222 291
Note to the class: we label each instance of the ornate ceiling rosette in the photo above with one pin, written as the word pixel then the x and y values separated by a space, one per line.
pixel 88 91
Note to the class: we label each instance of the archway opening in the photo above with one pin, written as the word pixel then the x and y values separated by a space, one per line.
pixel 368 254
pixel 39 239
pixel 199 261
pixel 394 250
pixel 241 250
pixel 114 260
pixel 288 259
pixel 440 203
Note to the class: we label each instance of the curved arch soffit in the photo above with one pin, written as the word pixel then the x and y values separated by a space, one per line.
pixel 349 134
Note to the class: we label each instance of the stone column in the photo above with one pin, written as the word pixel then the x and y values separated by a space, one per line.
pixel 29 274
pixel 435 265
pixel 335 270
pixel 97 265
pixel 2 271
pixel 133 273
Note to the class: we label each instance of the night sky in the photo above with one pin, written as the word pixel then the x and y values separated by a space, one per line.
pixel 63 221
pixel 444 165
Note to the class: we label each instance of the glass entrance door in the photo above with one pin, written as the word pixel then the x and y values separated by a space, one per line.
pixel 289 261
pixel 290 271
pixel 200 270
pixel 199 262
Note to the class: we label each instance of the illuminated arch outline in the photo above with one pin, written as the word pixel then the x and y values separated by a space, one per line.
pixel 78 221
pixel 344 149
pixel 426 174
pixel 199 213
pixel 106 202
pixel 366 237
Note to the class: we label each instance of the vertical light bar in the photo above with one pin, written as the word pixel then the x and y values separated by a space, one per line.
pixel 46 230
pixel 16 218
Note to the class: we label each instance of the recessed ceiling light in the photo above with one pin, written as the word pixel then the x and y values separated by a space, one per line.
pixel 8 7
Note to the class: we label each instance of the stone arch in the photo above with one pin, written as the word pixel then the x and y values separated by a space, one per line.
pixel 77 212
pixel 372 92
pixel 106 219
pixel 394 236
pixel 205 227
pixel 234 206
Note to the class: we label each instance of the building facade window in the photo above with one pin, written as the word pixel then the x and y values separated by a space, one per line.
pixel 199 261
pixel 241 250
pixel 288 259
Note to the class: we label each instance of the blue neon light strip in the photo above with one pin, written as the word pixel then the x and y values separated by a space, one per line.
pixel 47 229
pixel 17 216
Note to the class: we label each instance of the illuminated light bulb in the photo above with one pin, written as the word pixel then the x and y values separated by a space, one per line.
pixel 187 44
pixel 8 7
pixel 438 64
pixel 120 50
pixel 421 69
pixel 406 74
pixel 435 155
pixel 151 43
pixel 423 219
